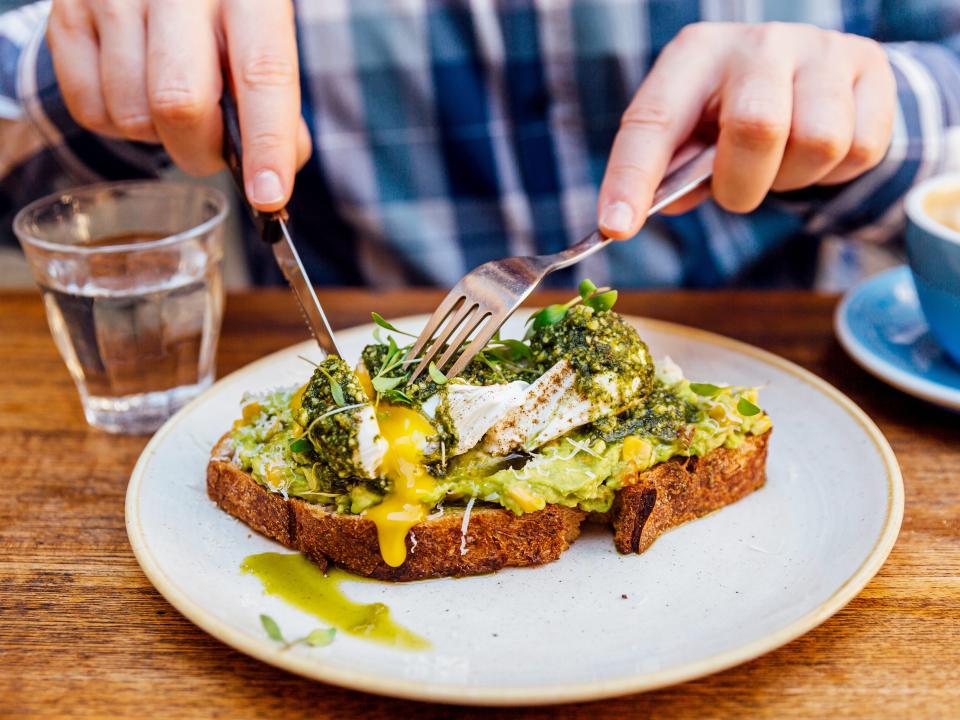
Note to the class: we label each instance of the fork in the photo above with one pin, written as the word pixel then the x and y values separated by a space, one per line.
pixel 489 294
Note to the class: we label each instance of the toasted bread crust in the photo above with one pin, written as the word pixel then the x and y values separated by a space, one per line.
pixel 495 537
pixel 660 498
pixel 680 490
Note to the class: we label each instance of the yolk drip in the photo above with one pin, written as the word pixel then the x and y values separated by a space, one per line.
pixel 406 432
pixel 365 382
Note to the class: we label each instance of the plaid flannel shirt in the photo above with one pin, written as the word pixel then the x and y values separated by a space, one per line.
pixel 450 133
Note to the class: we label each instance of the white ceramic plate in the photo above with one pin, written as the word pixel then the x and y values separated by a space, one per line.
pixel 711 594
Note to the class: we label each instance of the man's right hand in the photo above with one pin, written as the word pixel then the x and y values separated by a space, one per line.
pixel 152 70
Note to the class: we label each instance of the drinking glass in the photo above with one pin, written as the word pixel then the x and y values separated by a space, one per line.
pixel 131 276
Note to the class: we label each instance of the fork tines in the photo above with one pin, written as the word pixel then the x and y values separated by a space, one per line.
pixel 456 317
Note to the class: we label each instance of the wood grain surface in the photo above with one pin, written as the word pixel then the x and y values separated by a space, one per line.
pixel 83 634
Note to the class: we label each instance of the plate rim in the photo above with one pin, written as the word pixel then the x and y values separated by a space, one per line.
pixel 882 369
pixel 322 670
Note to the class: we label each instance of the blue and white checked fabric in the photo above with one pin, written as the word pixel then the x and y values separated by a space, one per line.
pixel 451 133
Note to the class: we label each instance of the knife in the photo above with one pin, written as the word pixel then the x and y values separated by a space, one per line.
pixel 273 230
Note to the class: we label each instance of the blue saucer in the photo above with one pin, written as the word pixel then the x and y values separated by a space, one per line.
pixel 880 324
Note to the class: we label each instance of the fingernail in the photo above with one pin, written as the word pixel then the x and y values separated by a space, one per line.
pixel 617 217
pixel 267 188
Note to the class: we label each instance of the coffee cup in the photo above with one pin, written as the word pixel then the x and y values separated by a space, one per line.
pixel 933 246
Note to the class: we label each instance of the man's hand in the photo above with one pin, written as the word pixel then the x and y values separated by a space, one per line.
pixel 790 106
pixel 152 70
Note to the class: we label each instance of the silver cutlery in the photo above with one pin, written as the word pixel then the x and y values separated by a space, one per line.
pixel 481 302
pixel 273 229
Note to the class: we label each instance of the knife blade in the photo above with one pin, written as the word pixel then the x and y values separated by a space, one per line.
pixel 292 268
pixel 273 229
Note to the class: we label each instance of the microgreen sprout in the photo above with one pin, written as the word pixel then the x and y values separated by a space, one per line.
pixel 320 637
pixel 301 445
pixel 335 388
pixel 386 325
pixel 599 299
pixel 705 389
pixel 438 377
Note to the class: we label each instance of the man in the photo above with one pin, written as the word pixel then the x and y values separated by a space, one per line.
pixel 434 136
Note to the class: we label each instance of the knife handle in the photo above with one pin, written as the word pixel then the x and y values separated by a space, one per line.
pixel 233 154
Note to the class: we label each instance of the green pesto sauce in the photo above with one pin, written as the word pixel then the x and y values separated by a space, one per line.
pixel 444 423
pixel 299 582
pixel 596 343
pixel 613 366
pixel 332 434
pixel 661 417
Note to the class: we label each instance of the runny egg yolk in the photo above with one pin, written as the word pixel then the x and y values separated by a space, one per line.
pixel 406 432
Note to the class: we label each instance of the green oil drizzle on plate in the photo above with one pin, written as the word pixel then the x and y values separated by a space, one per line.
pixel 298 581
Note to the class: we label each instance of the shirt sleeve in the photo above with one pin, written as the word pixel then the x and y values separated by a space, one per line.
pixel 41 148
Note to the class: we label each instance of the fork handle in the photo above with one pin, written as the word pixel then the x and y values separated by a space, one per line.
pixel 676 184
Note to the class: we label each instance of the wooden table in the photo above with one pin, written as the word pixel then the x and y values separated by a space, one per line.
pixel 82 632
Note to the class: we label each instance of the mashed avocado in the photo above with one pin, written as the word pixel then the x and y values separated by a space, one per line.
pixel 304 443
pixel 270 443
pixel 583 469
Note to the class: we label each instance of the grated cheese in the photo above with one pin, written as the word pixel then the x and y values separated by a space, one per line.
pixel 339 410
pixel 464 525
pixel 583 447
pixel 438 512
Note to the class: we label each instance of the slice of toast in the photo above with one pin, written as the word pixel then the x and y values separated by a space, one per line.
pixel 683 489
pixel 653 501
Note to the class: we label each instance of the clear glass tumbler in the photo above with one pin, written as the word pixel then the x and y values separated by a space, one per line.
pixel 131 275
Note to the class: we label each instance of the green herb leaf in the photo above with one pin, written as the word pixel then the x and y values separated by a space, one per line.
pixel 379 320
pixel 747 408
pixel 271 628
pixel 335 388
pixel 438 377
pixel 518 350
pixel 301 445
pixel 603 301
pixel 550 315
pixel 321 637
pixel 385 384
pixel 705 389
pixel 392 358
pixel 337 393
pixel 490 362
pixel 586 288
pixel 399 396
